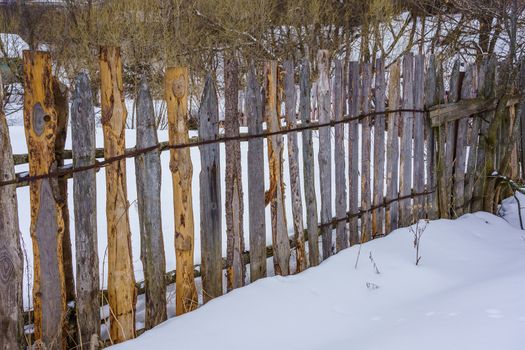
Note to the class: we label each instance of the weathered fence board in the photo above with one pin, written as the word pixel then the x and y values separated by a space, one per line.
pixel 308 165
pixel 11 263
pixel 521 115
pixel 366 152
pixel 341 241
pixel 85 204
pixel 392 171
pixel 176 90
pixel 281 246
pixel 379 148
pixel 293 160
pixel 451 130
pixel 325 150
pixel 148 178
pixel 121 280
pixel 236 272
pixel 419 137
pixel 353 151
pixel 254 115
pixel 47 224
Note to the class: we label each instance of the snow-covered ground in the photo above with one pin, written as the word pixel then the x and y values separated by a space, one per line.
pixel 466 293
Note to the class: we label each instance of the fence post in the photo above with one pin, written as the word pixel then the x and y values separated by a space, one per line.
pixel 366 146
pixel 473 145
pixel 392 170
pixel 11 263
pixel 236 270
pixel 419 136
pixel 379 148
pixel 281 245
pixel 451 129
pixel 353 152
pixel 293 159
pixel 521 111
pixel 121 280
pixel 176 90
pixel 341 240
pixel 210 195
pixel 85 209
pixel 253 110
pixel 47 225
pixel 148 179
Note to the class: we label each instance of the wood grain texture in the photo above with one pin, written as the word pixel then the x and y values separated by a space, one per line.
pixel 236 272
pixel 121 280
pixel 254 115
pixel 11 263
pixel 366 152
pixel 210 195
pixel 325 150
pixel 47 224
pixel 176 90
pixel 451 130
pixel 281 246
pixel 148 178
pixel 85 204
pixel 353 151
pixel 310 197
pixel 379 148
pixel 419 137
pixel 392 165
pixel 521 114
pixel 293 161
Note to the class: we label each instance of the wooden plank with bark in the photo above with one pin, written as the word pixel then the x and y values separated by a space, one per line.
pixel 47 224
pixel 308 165
pixel 521 115
pixel 11 263
pixel 419 137
pixel 451 130
pixel 379 148
pixel 236 272
pixel 176 94
pixel 325 150
pixel 85 204
pixel 121 280
pixel 366 152
pixel 353 151
pixel 293 160
pixel 210 194
pixel 392 169
pixel 148 177
pixel 275 195
pixel 254 115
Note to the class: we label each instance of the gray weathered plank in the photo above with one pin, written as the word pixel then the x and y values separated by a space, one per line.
pixel 293 160
pixel 11 263
pixel 353 151
pixel 521 115
pixel 419 136
pixel 308 165
pixel 236 272
pixel 148 179
pixel 341 236
pixel 210 194
pixel 253 111
pixel 366 152
pixel 379 148
pixel 325 150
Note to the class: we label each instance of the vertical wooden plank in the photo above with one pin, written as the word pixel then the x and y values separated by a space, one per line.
pixel 47 224
pixel 366 153
pixel 176 90
pixel 419 136
pixel 325 150
pixel 451 129
pixel 308 165
pixel 254 115
pixel 392 170
pixel 521 115
pixel 405 160
pixel 85 204
pixel 210 194
pixel 472 144
pixel 353 151
pixel 11 263
pixel 121 281
pixel 236 270
pixel 293 160
pixel 341 240
pixel 379 148
pixel 148 178
pixel 280 243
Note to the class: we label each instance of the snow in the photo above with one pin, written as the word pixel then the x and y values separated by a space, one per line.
pixel 466 293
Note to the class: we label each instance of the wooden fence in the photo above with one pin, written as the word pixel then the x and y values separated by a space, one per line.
pixel 413 151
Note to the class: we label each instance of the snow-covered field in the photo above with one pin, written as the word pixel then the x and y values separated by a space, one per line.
pixel 466 293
